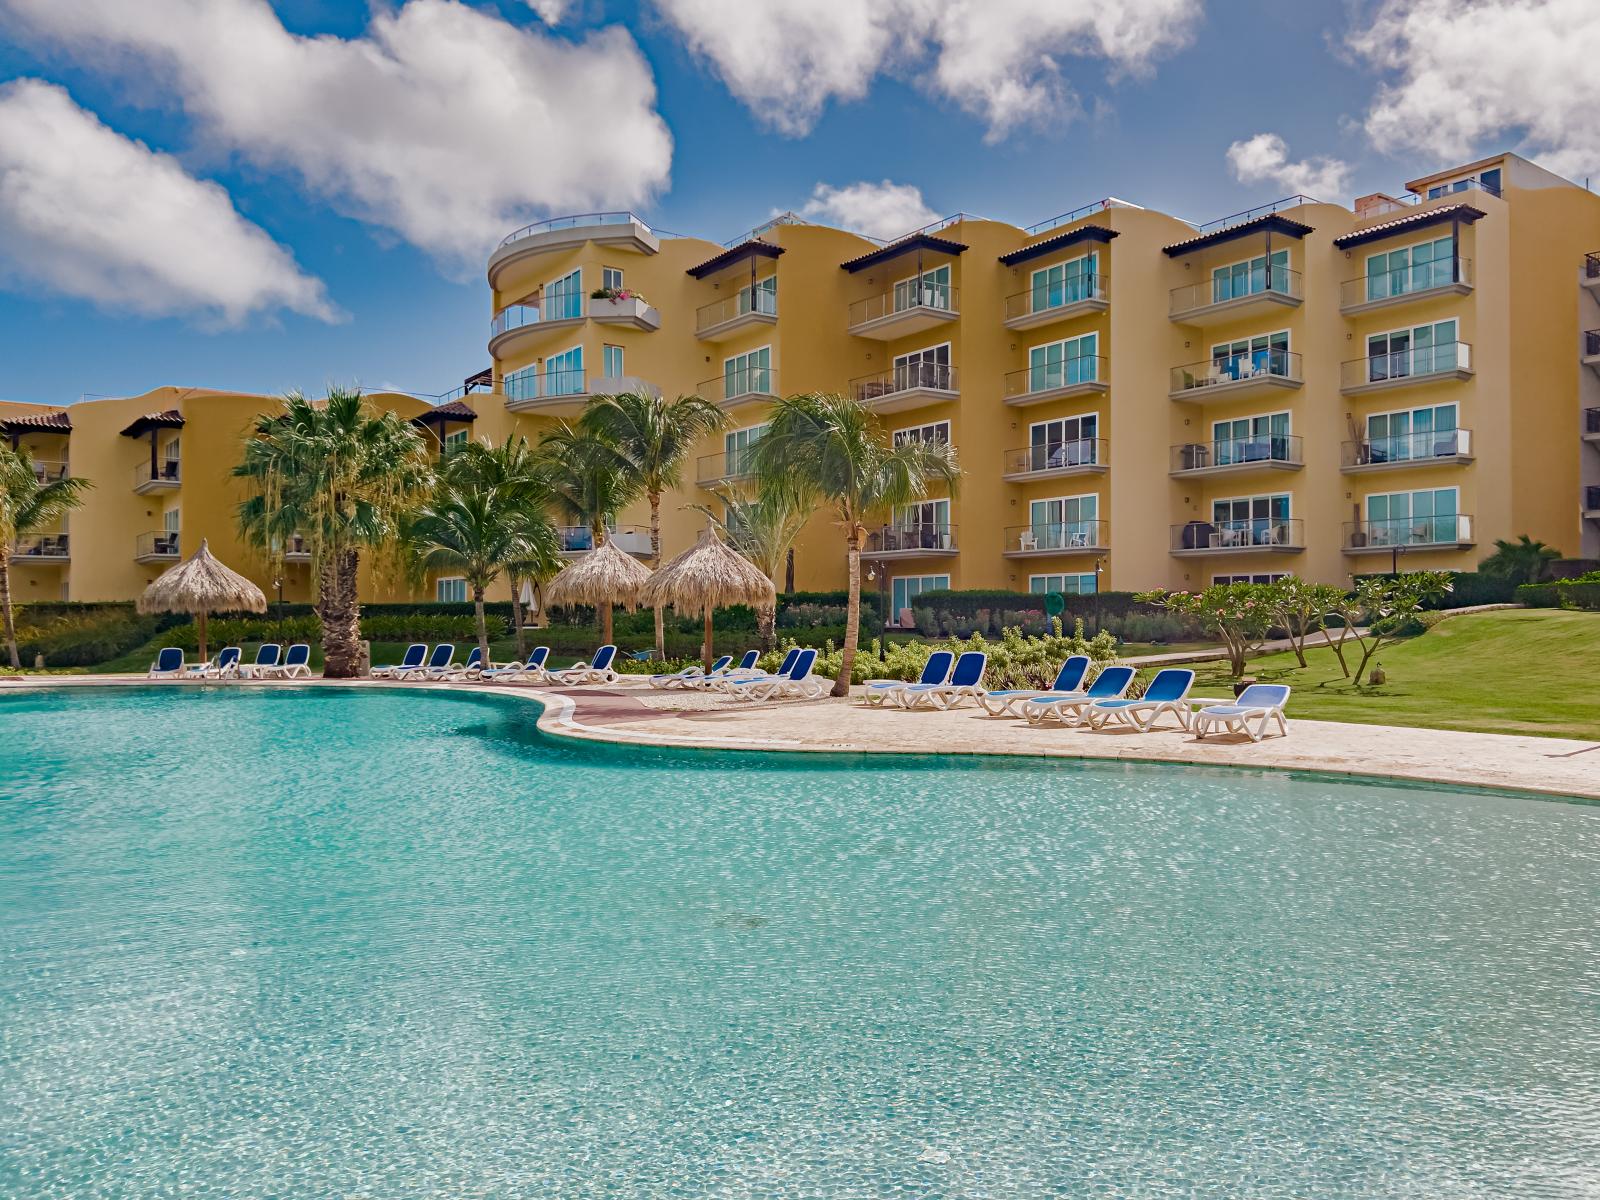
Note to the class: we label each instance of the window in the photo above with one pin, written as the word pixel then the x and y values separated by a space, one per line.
pixel 1489 181
pixel 737 448
pixel 450 590
pixel 1269 578
pixel 611 277
pixel 1062 364
pixel 928 368
pixel 169 460
pixel 521 385
pixel 611 362
pixel 1069 442
pixel 1250 277
pixel 1064 283
pixel 1067 585
pixel 1264 354
pixel 170 519
pixel 1250 439
pixel 926 514
pixel 1250 521
pixel 931 289
pixel 1411 269
pixel 563 298
pixel 454 440
pixel 1423 350
pixel 936 431
pixel 563 373
pixel 748 374
pixel 903 589
pixel 1413 518
pixel 1412 433
pixel 1063 523
pixel 760 297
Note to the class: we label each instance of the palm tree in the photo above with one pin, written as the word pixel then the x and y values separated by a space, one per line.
pixel 342 475
pixel 653 437
pixel 28 505
pixel 1522 561
pixel 763 528
pixel 831 449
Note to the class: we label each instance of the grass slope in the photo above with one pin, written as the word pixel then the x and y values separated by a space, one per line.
pixel 1529 671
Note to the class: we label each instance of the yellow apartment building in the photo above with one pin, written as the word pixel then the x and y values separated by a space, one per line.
pixel 1136 401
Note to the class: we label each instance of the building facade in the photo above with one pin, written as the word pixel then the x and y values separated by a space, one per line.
pixel 1136 401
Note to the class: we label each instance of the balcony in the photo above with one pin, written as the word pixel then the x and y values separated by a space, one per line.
pixel 1213 301
pixel 1045 305
pixel 1591 269
pixel 161 476
pixel 1238 456
pixel 1236 376
pixel 1591 424
pixel 1420 281
pixel 1259 535
pixel 1444 447
pixel 1591 502
pixel 745 309
pixel 1057 460
pixel 579 539
pixel 156 547
pixel 562 392
pixel 904 311
pixel 40 549
pixel 522 324
pixel 714 470
pixel 49 470
pixel 298 550
pixel 628 310
pixel 1043 538
pixel 619 230
pixel 1591 349
pixel 909 385
pixel 924 539
pixel 1087 375
pixel 746 385
pixel 1452 531
pixel 1403 368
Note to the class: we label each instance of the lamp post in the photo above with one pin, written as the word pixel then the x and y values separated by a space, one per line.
pixel 873 572
pixel 1099 570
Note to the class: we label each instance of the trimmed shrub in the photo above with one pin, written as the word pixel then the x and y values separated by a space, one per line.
pixel 94 634
pixel 1539 595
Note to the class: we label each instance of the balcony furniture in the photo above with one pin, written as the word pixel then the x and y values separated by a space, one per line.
pixel 1197 534
pixel 1027 540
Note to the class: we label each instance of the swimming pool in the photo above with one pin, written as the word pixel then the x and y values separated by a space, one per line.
pixel 318 942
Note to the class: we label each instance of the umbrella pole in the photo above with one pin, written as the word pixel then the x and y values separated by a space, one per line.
pixel 706 649
pixel 200 631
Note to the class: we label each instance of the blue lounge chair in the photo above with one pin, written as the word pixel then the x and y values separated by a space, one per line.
pixel 168 664
pixel 596 670
pixel 295 665
pixel 935 671
pixel 727 682
pixel 443 655
pixel 966 679
pixel 798 681
pixel 745 666
pixel 683 678
pixel 1068 707
pixel 1068 680
pixel 1260 702
pixel 268 655
pixel 532 669
pixel 416 654
pixel 220 667
pixel 471 669
pixel 1168 692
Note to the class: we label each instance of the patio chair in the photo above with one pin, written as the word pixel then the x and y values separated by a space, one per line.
pixel 443 655
pixel 1068 708
pixel 935 671
pixel 416 654
pixel 1260 702
pixel 1069 679
pixel 268 655
pixel 220 667
pixel 681 679
pixel 532 669
pixel 1168 693
pixel 726 682
pixel 168 664
pixel 471 669
pixel 966 680
pixel 797 683
pixel 295 665
pixel 745 666
pixel 596 670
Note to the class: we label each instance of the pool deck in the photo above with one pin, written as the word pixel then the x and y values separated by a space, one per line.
pixel 632 712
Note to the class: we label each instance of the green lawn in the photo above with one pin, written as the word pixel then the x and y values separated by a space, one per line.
pixel 1532 671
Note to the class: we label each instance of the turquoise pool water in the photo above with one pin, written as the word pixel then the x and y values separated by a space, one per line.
pixel 311 943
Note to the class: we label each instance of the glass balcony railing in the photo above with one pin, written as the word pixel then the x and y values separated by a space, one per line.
pixel 906 377
pixel 545 385
pixel 938 298
pixel 567 306
pixel 1254 533
pixel 48 471
pixel 42 547
pixel 577 539
pixel 1236 368
pixel 1086 370
pixel 1057 456
pixel 1194 297
pixel 160 544
pixel 1419 362
pixel 1048 298
pixel 581 221
pixel 1443 529
pixel 1267 449
pixel 1404 281
pixel 742 383
pixel 1407 448
pixel 1056 537
pixel 927 537
pixel 748 300
pixel 726 467
pixel 163 472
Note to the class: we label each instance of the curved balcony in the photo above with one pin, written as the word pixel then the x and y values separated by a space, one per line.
pixel 617 230
pixel 1086 375
pixel 1056 460
pixel 1258 535
pixel 923 539
pixel 1443 447
pixel 1236 376
pixel 1238 456
pixel 558 393
pixel 1448 531
pixel 1404 368
pixel 1044 305
pixel 522 324
pixel 1042 538
pixel 159 546
pixel 904 311
pixel 1212 301
pixel 909 385
pixel 40 549
pixel 1404 285
pixel 745 309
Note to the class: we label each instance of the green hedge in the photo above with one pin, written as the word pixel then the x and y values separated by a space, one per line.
pixel 1562 594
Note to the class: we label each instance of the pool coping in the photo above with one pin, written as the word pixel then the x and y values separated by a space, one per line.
pixel 1444 758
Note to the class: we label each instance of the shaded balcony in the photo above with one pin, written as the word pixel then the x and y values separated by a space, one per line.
pixel 745 309
pixel 1591 502
pixel 159 476
pixel 47 470
pixel 744 385
pixel 1442 447
pixel 1086 375
pixel 1403 368
pixel 1591 424
pixel 1591 349
pixel 159 546
pixel 917 539
pixel 1590 275
pixel 1255 535
pixel 1259 293
pixel 579 539
pixel 1043 538
pixel 713 470
pixel 1236 376
pixel 518 325
pixel 1238 456
pixel 1056 460
pixel 1448 531
pixel 1074 297
pixel 297 549
pixel 562 392
pixel 1404 285
pixel 40 549
pixel 903 311
pixel 909 385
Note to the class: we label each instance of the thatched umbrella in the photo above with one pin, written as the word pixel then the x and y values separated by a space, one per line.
pixel 707 576
pixel 202 586
pixel 602 577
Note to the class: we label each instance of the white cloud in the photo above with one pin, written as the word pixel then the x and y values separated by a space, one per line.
pixel 1468 73
pixel 880 210
pixel 998 59
pixel 549 11
pixel 87 212
pixel 443 123
pixel 1266 157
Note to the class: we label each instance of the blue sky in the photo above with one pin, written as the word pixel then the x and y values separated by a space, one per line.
pixel 985 107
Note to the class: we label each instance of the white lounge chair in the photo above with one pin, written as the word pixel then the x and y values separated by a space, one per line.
pixel 471 669
pixel 798 683
pixel 416 654
pixel 1260 703
pixel 1068 681
pixel 295 665
pixel 727 682
pixel 966 680
pixel 168 664
pixel 268 655
pixel 532 669
pixel 596 670
pixel 936 670
pixel 443 655
pixel 224 664
pixel 745 665
pixel 681 679
pixel 1168 693
pixel 1068 707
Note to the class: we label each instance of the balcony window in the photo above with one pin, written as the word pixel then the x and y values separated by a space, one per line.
pixel 1265 354
pixel 1488 181
pixel 1250 439
pixel 1261 274
pixel 928 368
pixel 1412 269
pixel 1250 521
pixel 453 441
pixel 926 514
pixel 1068 585
pixel 611 362
pixel 748 374
pixel 1062 523
pixel 931 289
pixel 1062 364
pixel 1069 442
pixel 738 450
pixel 1257 577
pixel 1432 515
pixel 563 298
pixel 1416 433
pixel 563 373
pixel 760 297
pixel 450 590
pixel 611 278
pixel 1423 350
pixel 1064 283
pixel 934 431
pixel 904 589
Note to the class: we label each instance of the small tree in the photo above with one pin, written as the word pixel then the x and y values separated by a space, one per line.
pixel 1302 609
pixel 1380 608
pixel 1238 613
pixel 1521 561
pixel 28 505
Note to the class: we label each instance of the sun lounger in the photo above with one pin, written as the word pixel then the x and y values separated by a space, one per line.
pixel 471 669
pixel 745 666
pixel 443 655
pixel 295 665
pixel 966 679
pixel 727 682
pixel 416 654
pixel 1068 707
pixel 168 664
pixel 1260 702
pixel 532 669
pixel 220 667
pixel 1068 680
pixel 596 670
pixel 935 671
pixel 1168 693
pixel 268 655
pixel 679 679
pixel 798 682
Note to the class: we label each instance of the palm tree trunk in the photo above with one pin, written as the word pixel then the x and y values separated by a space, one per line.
pixel 852 621
pixel 5 606
pixel 516 616
pixel 342 652
pixel 483 626
pixel 655 555
pixel 766 625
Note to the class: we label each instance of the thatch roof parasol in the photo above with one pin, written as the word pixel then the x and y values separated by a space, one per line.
pixel 201 585
pixel 708 575
pixel 602 577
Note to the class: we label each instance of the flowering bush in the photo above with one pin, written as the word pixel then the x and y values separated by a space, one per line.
pixel 1238 613
pixel 610 293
